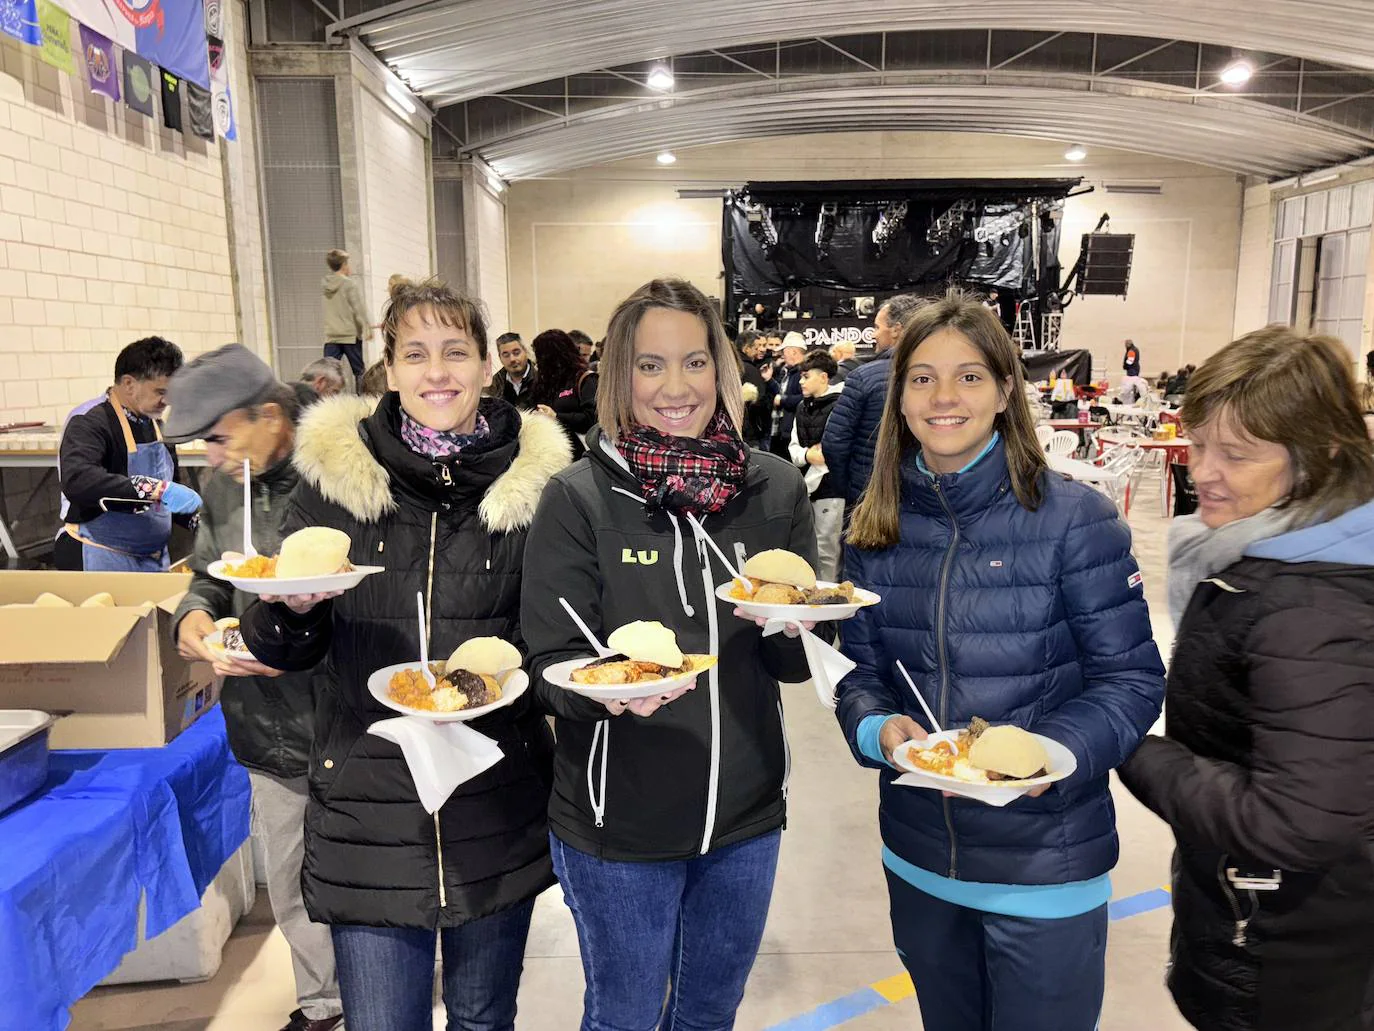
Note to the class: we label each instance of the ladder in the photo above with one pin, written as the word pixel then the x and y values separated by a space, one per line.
pixel 1024 331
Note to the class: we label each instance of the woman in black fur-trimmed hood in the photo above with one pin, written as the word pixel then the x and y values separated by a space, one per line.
pixel 439 485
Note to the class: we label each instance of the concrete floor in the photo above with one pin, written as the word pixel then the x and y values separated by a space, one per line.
pixel 823 943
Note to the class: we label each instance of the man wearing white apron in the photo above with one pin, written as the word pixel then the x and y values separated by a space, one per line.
pixel 118 476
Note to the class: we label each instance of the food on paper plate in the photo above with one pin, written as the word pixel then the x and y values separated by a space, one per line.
pixel 314 551
pixel 644 650
pixel 984 754
pixel 231 637
pixel 103 600
pixel 782 577
pixel 470 679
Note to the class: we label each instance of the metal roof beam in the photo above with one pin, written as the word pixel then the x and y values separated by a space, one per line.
pixel 336 29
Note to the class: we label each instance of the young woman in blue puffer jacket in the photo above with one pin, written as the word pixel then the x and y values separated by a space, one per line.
pixel 1008 593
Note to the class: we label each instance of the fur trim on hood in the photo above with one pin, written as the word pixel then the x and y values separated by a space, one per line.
pixel 333 458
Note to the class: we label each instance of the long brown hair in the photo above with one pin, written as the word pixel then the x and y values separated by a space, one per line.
pixel 615 396
pixel 1299 392
pixel 876 524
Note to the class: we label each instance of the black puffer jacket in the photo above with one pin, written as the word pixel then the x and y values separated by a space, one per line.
pixel 456 531
pixel 710 769
pixel 1268 769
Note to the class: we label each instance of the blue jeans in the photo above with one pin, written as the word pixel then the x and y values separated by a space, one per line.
pixel 694 925
pixel 353 353
pixel 976 970
pixel 386 974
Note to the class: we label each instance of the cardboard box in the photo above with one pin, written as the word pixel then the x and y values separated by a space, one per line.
pixel 116 668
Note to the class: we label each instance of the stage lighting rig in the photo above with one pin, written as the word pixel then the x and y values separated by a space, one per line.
pixel 890 222
pixel 948 227
pixel 825 227
pixel 761 226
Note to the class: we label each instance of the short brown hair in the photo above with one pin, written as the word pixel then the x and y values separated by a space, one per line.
pixel 1299 392
pixel 614 398
pixel 336 259
pixel 438 302
pixel 876 519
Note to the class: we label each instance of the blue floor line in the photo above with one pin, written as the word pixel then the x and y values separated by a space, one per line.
pixel 866 1000
pixel 832 1014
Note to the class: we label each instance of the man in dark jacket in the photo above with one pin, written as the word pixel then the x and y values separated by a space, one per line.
pixel 232 400
pixel 788 377
pixel 819 398
pixel 851 435
pixel 119 491
pixel 758 392
pixel 515 380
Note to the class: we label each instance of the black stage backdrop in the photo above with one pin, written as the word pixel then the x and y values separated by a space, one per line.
pixel 1077 365
pixel 983 241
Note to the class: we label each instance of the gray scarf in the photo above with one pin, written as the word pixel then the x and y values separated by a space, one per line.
pixel 1197 553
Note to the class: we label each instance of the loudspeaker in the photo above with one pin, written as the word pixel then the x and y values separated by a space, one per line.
pixel 1106 263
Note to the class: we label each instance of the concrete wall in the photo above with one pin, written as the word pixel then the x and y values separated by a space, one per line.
pixel 395 201
pixel 1256 260
pixel 111 228
pixel 580 243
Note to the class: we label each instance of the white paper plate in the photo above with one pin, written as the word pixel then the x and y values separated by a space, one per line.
pixel 517 682
pixel 1061 764
pixel 215 642
pixel 295 585
pixel 807 612
pixel 560 675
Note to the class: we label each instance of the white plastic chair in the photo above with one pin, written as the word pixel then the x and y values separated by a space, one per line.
pixel 1064 442
pixel 1123 462
pixel 1043 434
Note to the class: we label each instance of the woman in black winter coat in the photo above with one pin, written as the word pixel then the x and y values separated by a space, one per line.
pixel 667 811
pixel 566 388
pixel 1266 773
pixel 438 485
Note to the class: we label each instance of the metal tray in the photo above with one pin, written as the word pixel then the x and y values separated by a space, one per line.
pixel 23 754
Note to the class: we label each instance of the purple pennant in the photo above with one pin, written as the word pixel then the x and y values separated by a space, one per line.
pixel 101 70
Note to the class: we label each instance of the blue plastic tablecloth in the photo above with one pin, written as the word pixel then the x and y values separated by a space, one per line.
pixel 110 827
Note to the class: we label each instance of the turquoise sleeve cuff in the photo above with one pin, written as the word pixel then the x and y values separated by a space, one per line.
pixel 867 738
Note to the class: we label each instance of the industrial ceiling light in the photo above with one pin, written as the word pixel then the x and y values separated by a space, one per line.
pixel 1077 152
pixel 399 94
pixel 660 78
pixel 666 157
pixel 1237 73
pixel 496 183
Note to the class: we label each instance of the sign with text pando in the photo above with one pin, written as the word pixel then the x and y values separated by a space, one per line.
pixel 829 332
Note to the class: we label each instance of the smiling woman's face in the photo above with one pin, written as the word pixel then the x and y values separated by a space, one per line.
pixel 673 383
pixel 951 400
pixel 1236 476
pixel 438 372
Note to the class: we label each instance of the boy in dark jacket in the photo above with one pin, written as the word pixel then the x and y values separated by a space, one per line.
pixel 827 504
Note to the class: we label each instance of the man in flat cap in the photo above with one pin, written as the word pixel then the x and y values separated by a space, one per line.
pixel 231 400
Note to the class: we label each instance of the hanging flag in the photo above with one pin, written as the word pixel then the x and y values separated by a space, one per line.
pixel 214 19
pixel 222 101
pixel 19 18
pixel 56 28
pixel 171 101
pixel 169 33
pixel 138 84
pixel 101 70
pixel 198 104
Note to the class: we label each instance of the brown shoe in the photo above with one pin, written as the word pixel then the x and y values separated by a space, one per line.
pixel 300 1022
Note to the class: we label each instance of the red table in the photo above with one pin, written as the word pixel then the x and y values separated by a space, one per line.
pixel 1175 452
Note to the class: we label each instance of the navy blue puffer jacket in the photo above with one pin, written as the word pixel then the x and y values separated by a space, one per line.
pixel 851 435
pixel 1032 618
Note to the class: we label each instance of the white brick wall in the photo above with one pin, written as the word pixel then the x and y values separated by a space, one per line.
pixel 111 228
pixel 395 192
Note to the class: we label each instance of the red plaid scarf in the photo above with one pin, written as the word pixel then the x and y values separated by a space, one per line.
pixel 688 474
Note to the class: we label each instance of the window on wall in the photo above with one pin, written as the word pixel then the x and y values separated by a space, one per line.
pixel 303 205
pixel 1283 285
pixel 1342 268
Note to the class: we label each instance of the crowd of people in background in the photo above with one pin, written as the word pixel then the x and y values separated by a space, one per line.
pixel 915 472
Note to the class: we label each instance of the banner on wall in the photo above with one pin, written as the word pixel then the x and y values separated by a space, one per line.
pixel 221 101
pixel 19 18
pixel 171 101
pixel 169 33
pixel 198 107
pixel 138 84
pixel 101 70
pixel 56 30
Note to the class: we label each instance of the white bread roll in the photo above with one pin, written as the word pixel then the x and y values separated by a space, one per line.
pixel 1010 751
pixel 97 601
pixel 314 551
pixel 647 641
pixel 485 656
pixel 47 600
pixel 780 567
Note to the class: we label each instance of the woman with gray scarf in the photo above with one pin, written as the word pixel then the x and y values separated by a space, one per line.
pixel 1266 771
